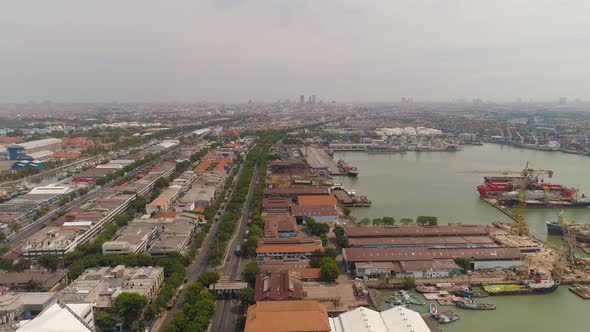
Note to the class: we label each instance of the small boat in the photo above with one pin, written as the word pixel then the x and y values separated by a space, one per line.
pixel 447 317
pixel 470 304
pixel 416 301
pixel 426 289
pixel 480 294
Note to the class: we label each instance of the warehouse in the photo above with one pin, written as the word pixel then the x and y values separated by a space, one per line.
pixel 40 149
pixel 425 262
pixel 416 231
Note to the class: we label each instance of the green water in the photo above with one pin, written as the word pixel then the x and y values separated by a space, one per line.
pixel 428 183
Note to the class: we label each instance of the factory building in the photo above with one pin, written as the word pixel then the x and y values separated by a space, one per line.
pixel 37 150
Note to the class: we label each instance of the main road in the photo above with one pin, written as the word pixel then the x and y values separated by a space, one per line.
pixel 227 311
pixel 200 263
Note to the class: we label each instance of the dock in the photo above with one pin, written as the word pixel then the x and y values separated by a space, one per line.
pixel 581 291
pixel 494 203
pixel 345 199
pixel 318 159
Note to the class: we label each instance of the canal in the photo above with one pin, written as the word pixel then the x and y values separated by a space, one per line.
pixel 432 183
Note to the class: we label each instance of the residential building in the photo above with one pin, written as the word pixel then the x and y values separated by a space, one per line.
pixel 293 316
pixel 102 285
pixel 132 239
pixel 52 240
pixel 164 201
pixel 17 281
pixel 15 307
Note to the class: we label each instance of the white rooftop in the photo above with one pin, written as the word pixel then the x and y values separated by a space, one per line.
pixel 55 319
pixel 397 319
pixel 38 143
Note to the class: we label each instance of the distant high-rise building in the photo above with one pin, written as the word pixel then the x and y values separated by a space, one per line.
pixel 301 99
pixel 562 100
pixel 313 99
pixel 309 100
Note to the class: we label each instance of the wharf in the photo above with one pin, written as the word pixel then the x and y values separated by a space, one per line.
pixel 317 158
pixel 346 199
pixel 501 208
pixel 581 291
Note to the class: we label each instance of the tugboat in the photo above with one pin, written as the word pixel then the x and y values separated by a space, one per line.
pixel 470 304
pixel 537 283
pixel 343 167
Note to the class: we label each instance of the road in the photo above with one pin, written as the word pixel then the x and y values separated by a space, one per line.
pixel 227 311
pixel 198 265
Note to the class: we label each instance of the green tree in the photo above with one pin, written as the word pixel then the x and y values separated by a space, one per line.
pixel 6 264
pixel 22 264
pixel 427 220
pixel 389 221
pixel 408 283
pixel 208 278
pixel 2 236
pixel 121 219
pixel 330 252
pixel 324 238
pixel 329 269
pixel 64 200
pixel 251 245
pixel 406 221
pixel 347 211
pixel 49 261
pixel 250 272
pixel 34 286
pixel 247 296
pixel 129 306
pixel 377 222
pixel 365 221
pixel 463 263
pixel 105 321
pixel 255 231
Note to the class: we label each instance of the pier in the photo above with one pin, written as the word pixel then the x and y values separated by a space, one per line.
pixel 581 291
pixel 346 199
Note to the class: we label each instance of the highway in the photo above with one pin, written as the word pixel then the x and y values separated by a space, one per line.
pixel 227 311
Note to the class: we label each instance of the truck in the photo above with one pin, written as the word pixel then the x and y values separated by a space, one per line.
pixel 238 250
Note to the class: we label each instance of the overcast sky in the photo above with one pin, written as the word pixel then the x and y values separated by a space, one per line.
pixel 235 50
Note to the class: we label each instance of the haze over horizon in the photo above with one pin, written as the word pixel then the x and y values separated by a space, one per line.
pixel 263 50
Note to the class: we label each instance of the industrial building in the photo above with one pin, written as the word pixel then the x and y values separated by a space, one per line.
pixel 279 225
pixel 287 248
pixel 59 317
pixel 37 150
pixel 397 319
pixel 276 286
pixel 424 262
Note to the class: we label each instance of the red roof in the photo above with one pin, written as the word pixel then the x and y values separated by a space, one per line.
pixel 283 248
pixel 316 200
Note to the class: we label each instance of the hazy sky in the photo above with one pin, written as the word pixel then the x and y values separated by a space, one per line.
pixel 235 50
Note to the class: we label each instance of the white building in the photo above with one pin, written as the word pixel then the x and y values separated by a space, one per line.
pixel 397 319
pixel 77 317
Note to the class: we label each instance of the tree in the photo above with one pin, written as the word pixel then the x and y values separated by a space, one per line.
pixel 250 272
pixel 121 219
pixel 6 264
pixel 365 221
pixel 329 269
pixel 324 238
pixel 2 236
pixel 463 263
pixel 247 296
pixel 427 220
pixel 406 221
pixel 389 221
pixel 255 231
pixel 22 264
pixel 34 286
pixel 208 278
pixel 330 252
pixel 129 306
pixel 346 210
pixel 341 238
pixel 251 245
pixel 377 222
pixel 64 200
pixel 49 261
pixel 83 191
pixel 409 283
pixel 105 321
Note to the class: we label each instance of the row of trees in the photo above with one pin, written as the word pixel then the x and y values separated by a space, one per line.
pixel 198 309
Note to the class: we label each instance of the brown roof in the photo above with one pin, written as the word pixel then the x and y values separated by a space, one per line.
pixel 298 191
pixel 276 286
pixel 19 279
pixel 307 273
pixel 316 200
pixel 282 316
pixel 273 224
pixel 289 240
pixel 422 253
pixel 297 248
pixel 415 231
pixel 425 241
pixel 276 202
pixel 312 211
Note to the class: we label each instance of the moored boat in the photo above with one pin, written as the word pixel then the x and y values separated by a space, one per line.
pixel 470 304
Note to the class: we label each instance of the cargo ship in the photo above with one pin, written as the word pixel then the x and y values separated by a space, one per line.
pixel 537 283
pixel 344 168
pixel 580 231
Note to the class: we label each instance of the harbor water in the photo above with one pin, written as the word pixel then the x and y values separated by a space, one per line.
pixel 434 183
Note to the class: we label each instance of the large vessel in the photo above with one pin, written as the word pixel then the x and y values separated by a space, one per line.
pixel 580 231
pixel 537 283
pixel 530 191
